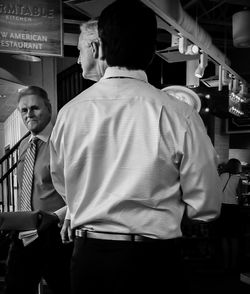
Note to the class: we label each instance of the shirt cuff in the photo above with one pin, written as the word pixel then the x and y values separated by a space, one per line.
pixel 61 213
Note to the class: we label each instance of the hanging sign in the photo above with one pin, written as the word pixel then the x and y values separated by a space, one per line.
pixel 31 27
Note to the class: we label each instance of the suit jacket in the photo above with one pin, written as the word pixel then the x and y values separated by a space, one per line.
pixel 44 195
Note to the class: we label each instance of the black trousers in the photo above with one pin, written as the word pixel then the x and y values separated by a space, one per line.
pixel 117 267
pixel 45 257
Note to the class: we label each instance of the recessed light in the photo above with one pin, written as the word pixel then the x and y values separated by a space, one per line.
pixel 26 57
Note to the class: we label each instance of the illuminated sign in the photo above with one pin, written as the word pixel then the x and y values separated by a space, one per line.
pixel 31 27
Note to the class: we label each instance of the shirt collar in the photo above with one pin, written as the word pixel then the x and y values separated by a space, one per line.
pixel 116 72
pixel 44 134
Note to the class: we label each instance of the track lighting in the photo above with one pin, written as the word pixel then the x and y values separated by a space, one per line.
pixel 186 48
pixel 192 50
pixel 182 46
pixel 199 72
pixel 230 83
pixel 236 86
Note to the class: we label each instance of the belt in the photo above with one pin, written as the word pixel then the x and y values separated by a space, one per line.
pixel 112 236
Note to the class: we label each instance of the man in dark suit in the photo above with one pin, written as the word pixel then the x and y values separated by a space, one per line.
pixel 46 257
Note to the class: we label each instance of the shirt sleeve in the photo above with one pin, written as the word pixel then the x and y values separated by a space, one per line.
pixel 61 213
pixel 200 181
pixel 67 214
pixel 57 162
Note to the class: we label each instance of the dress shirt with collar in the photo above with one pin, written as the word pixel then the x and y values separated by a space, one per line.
pixel 44 195
pixel 128 158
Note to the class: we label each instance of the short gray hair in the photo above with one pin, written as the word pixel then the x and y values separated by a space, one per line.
pixel 35 90
pixel 89 29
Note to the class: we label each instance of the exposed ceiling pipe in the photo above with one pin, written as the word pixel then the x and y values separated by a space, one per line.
pixel 189 4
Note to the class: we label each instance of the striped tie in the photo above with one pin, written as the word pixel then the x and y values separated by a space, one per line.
pixel 28 176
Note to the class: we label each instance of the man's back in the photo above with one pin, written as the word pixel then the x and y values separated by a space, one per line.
pixel 123 151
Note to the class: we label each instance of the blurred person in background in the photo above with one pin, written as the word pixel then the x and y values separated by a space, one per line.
pixel 230 218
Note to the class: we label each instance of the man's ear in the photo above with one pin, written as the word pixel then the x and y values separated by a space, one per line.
pixel 101 51
pixel 95 49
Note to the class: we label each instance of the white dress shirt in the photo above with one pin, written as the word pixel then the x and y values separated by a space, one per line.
pixel 128 158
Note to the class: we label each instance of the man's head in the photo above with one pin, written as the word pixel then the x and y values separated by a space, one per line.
pixel 35 108
pixel 90 53
pixel 234 166
pixel 128 30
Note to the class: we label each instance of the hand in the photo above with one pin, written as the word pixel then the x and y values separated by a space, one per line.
pixel 67 235
pixel 46 219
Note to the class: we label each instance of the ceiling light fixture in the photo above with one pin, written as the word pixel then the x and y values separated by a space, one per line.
pixel 185 47
pixel 199 72
pixel 182 46
pixel 192 50
pixel 26 57
pixel 236 86
pixel 230 84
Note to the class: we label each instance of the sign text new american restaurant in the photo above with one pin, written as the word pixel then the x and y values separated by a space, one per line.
pixel 31 27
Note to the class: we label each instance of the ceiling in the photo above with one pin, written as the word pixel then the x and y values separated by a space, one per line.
pixel 214 16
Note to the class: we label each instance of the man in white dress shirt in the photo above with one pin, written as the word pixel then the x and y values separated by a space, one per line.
pixel 129 159
pixel 93 68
